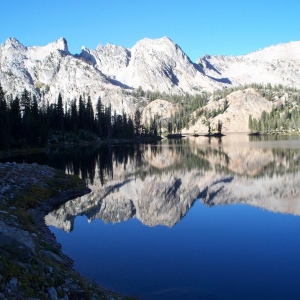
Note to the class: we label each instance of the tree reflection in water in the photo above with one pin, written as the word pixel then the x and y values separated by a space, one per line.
pixel 158 183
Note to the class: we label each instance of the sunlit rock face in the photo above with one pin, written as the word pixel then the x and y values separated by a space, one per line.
pixel 158 191
pixel 49 70
pixel 154 64
pixel 278 64
pixel 112 72
pixel 240 105
pixel 160 109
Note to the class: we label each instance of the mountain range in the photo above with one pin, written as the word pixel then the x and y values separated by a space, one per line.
pixel 155 65
pixel 116 74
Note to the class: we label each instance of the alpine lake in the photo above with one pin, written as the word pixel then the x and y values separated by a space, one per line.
pixel 193 218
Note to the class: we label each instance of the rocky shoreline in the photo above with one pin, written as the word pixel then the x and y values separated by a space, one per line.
pixel 32 265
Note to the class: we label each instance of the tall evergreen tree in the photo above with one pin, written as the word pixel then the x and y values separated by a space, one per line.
pixel 89 115
pixel 137 121
pixel 74 116
pixel 81 113
pixel 4 129
pixel 59 113
pixel 100 118
pixel 15 119
pixel 27 117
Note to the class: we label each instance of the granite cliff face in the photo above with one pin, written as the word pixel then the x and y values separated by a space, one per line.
pixel 49 70
pixel 155 65
pixel 216 174
pixel 113 72
pixel 240 105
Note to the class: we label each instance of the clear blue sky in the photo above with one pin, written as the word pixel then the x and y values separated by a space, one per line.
pixel 199 27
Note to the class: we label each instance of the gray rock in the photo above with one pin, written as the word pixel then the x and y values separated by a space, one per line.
pixel 13 283
pixel 2 296
pixel 52 293
pixel 52 256
pixel 17 241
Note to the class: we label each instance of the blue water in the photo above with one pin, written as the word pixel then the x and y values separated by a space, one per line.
pixel 223 252
pixel 215 251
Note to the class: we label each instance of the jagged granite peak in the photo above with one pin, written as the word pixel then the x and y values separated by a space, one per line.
pixel 109 58
pixel 59 45
pixel 46 71
pixel 160 64
pixel 154 64
pixel 13 43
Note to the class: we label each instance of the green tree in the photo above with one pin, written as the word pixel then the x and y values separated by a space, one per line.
pixel 15 119
pixel 137 121
pixel 219 126
pixel 250 123
pixel 59 113
pixel 4 129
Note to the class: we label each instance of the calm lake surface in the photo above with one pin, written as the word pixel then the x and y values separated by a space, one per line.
pixel 190 219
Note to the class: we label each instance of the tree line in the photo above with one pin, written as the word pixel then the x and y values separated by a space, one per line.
pixel 24 123
pixel 284 116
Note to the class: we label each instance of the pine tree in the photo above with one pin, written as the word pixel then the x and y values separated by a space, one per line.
pixel 81 113
pixel 15 118
pixel 219 126
pixel 250 123
pixel 4 129
pixel 27 117
pixel 89 115
pixel 59 113
pixel 74 116
pixel 100 118
pixel 137 121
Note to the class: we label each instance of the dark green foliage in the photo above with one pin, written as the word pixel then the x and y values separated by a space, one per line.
pixel 4 132
pixel 284 116
pixel 23 123
pixel 219 126
pixel 186 104
pixel 137 121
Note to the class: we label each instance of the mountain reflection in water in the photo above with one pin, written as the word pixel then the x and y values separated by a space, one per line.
pixel 159 183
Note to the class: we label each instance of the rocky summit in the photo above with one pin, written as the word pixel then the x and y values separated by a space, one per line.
pixel 113 72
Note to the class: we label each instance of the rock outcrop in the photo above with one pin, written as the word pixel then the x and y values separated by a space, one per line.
pixel 16 241
pixel 239 106
pixel 31 260
pixel 160 109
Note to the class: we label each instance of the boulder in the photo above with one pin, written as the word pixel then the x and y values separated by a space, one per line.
pixel 17 242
